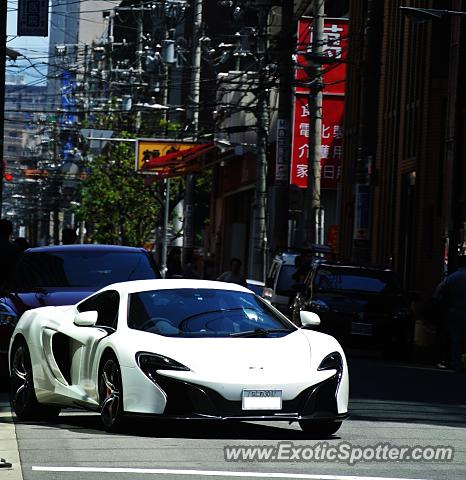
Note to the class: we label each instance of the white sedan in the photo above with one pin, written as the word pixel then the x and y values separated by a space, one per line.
pixel 177 349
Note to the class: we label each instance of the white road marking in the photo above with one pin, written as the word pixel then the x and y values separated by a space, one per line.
pixel 212 473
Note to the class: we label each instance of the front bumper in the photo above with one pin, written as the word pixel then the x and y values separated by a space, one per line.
pixel 189 401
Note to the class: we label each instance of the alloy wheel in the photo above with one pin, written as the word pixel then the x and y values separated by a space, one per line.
pixel 110 393
pixel 22 388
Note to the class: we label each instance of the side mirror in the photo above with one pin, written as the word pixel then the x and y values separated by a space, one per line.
pixel 86 319
pixel 309 319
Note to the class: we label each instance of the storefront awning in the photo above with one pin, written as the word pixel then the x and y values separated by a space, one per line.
pixel 178 163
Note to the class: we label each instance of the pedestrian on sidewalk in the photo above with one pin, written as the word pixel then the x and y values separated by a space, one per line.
pixel 452 294
pixel 233 275
pixel 174 267
pixel 190 269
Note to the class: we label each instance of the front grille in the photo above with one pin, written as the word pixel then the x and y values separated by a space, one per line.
pixel 185 399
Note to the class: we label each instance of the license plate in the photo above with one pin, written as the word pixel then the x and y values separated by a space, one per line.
pixel 262 400
pixel 361 329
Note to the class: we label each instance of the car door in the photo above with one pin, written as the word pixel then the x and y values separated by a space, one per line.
pixel 106 304
pixel 71 350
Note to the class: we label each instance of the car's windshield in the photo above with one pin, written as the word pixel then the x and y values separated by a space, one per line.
pixel 94 269
pixel 187 312
pixel 361 280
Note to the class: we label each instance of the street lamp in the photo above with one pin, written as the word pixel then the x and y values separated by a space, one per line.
pixel 421 15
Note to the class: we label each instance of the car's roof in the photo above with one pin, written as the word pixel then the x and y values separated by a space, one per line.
pixel 84 248
pixel 287 258
pixel 173 283
pixel 350 266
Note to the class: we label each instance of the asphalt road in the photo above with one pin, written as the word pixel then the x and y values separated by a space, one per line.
pixel 390 403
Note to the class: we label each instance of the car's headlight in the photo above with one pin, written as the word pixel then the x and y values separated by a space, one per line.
pixel 333 361
pixel 319 306
pixel 8 317
pixel 149 363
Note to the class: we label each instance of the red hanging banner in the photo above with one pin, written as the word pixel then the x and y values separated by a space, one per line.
pixel 334 75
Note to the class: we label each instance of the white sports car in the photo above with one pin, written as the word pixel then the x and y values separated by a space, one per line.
pixel 177 349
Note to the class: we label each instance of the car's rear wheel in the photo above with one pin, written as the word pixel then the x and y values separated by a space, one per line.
pixel 319 429
pixel 111 394
pixel 23 396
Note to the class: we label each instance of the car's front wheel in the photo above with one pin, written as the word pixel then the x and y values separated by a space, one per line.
pixel 23 396
pixel 319 429
pixel 111 394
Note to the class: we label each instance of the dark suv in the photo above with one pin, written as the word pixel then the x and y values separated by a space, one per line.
pixel 360 306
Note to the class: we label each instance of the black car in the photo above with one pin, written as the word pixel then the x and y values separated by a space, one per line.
pixel 63 275
pixel 360 306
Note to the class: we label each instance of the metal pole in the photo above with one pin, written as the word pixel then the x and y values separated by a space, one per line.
pixel 281 223
pixel 312 206
pixel 259 253
pixel 196 85
pixel 166 213
pixel 188 220
pixel 139 53
pixel 3 13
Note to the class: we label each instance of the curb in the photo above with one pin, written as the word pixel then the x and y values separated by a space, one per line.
pixel 8 443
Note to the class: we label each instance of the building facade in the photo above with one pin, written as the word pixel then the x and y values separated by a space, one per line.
pixel 402 186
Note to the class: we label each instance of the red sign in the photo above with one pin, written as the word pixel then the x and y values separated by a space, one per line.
pixel 331 150
pixel 335 46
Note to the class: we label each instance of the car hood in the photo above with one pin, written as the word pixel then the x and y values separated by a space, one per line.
pixel 24 301
pixel 358 302
pixel 231 359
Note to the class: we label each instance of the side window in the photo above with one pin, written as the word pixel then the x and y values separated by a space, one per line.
pixel 106 304
pixel 89 304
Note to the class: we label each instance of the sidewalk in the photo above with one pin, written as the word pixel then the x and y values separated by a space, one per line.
pixel 8 444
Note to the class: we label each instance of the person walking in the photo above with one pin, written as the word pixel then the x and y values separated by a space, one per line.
pixel 451 293
pixel 190 269
pixel 233 275
pixel 174 267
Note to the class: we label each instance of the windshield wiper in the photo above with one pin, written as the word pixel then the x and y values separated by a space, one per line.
pixel 208 312
pixel 259 332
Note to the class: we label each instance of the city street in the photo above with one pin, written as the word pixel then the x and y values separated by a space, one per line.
pixel 401 404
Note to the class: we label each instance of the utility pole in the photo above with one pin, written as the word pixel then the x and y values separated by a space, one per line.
pixel 312 211
pixel 3 14
pixel 285 101
pixel 259 253
pixel 188 222
pixel 166 215
pixel 139 56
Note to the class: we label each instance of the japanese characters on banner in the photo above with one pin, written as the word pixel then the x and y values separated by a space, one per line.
pixel 335 42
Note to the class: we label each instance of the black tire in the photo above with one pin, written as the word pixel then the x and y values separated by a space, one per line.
pixel 22 394
pixel 317 429
pixel 110 394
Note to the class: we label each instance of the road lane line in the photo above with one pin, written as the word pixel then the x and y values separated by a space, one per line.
pixel 211 473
